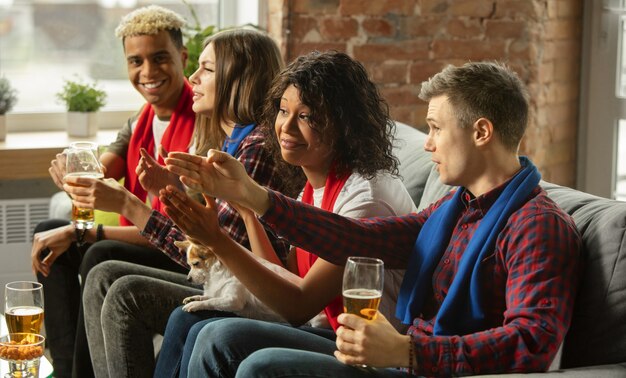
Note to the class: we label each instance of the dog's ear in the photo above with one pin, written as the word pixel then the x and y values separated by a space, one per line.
pixel 182 244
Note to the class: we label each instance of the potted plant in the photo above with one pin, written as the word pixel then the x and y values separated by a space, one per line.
pixel 8 98
pixel 195 36
pixel 82 100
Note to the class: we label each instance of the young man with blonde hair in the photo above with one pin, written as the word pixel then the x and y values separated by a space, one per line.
pixel 155 57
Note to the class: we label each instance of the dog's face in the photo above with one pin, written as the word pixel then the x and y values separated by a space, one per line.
pixel 199 259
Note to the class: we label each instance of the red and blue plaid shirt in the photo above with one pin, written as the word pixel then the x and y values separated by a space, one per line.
pixel 161 231
pixel 529 287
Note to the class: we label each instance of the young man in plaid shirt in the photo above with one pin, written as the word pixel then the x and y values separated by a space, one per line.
pixel 492 267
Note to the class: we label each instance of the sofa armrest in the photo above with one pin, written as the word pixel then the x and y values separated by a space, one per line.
pixel 604 371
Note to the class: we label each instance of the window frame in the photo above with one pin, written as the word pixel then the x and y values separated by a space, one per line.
pixel 601 103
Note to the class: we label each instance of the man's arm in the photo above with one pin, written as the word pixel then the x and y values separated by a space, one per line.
pixel 149 227
pixel 328 235
pixel 114 158
pixel 114 165
pixel 334 237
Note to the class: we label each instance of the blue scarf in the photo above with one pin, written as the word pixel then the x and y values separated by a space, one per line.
pixel 239 133
pixel 461 312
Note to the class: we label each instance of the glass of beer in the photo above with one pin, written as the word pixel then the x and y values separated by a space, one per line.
pixel 362 286
pixel 23 306
pixel 82 160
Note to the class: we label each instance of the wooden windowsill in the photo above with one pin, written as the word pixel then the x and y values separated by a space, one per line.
pixel 28 155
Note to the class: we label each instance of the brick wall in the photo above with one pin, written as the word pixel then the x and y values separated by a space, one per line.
pixel 403 42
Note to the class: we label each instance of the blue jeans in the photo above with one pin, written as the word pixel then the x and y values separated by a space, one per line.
pixel 223 344
pixel 281 362
pixel 180 335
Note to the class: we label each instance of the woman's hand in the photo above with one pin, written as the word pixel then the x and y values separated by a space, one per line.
pixel 197 221
pixel 153 176
pixel 219 175
pixel 57 241
pixel 91 193
pixel 370 342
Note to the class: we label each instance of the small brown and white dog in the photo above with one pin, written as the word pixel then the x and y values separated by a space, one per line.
pixel 224 292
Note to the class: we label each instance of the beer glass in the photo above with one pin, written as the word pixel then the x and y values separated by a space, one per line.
pixel 82 160
pixel 23 306
pixel 362 286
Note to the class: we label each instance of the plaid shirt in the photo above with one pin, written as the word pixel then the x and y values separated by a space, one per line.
pixel 529 287
pixel 161 231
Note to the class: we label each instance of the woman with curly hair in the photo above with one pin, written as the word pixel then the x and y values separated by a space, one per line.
pixel 330 124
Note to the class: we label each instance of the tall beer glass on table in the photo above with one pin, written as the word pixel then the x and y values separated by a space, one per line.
pixel 23 306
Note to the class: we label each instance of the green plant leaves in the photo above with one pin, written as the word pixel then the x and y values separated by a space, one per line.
pixel 79 96
pixel 195 45
pixel 8 96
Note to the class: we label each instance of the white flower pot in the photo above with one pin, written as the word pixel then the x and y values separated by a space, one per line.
pixel 81 124
pixel 3 127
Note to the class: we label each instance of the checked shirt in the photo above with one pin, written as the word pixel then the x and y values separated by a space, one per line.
pixel 529 282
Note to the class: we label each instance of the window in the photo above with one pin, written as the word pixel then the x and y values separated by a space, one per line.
pixel 43 42
pixel 602 163
pixel 620 187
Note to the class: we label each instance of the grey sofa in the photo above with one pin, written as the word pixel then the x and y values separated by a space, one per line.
pixel 595 345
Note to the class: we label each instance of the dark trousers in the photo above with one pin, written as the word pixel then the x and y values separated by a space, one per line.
pixel 64 322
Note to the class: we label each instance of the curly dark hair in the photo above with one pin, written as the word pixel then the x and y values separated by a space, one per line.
pixel 347 111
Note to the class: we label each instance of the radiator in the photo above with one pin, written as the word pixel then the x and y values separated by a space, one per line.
pixel 18 219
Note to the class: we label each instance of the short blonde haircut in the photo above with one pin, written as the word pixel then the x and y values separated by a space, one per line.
pixel 149 20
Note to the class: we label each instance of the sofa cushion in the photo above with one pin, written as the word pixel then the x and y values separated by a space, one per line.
pixel 602 371
pixel 416 168
pixel 598 331
pixel 415 163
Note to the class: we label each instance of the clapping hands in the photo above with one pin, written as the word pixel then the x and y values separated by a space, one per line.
pixel 197 221
pixel 152 175
pixel 218 175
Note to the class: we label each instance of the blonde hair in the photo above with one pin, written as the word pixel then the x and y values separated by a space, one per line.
pixel 149 20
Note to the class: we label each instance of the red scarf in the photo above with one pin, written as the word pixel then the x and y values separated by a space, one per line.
pixel 176 137
pixel 305 259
